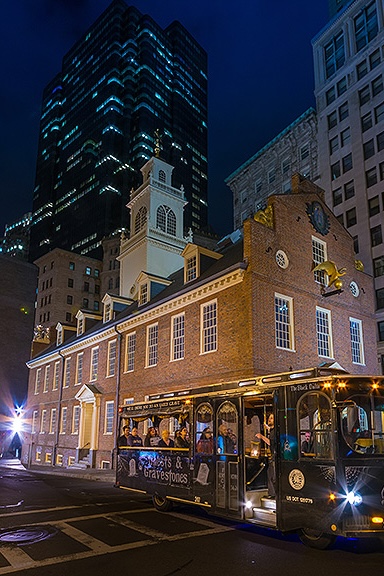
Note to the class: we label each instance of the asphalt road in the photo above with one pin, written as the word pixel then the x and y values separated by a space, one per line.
pixel 75 527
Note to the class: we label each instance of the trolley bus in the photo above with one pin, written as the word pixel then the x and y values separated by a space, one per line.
pixel 326 449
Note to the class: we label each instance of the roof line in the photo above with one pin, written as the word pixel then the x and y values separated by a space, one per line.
pixel 262 150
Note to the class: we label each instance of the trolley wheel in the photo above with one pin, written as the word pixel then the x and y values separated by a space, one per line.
pixel 162 504
pixel 316 539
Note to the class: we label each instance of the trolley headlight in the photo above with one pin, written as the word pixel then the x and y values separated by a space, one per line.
pixel 354 498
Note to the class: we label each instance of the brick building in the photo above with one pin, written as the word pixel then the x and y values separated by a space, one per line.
pixel 253 306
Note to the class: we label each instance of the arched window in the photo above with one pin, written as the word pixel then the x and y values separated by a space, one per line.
pixel 204 428
pixel 140 220
pixel 166 220
pixel 227 428
pixel 162 176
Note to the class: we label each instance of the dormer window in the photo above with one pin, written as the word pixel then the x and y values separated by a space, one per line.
pixel 113 305
pixel 80 326
pixel 166 220
pixel 149 286
pixel 143 294
pixel 191 269
pixel 141 219
pixel 197 259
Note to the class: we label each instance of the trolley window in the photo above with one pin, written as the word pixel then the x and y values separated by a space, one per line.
pixel 204 428
pixel 227 429
pixel 362 424
pixel 315 426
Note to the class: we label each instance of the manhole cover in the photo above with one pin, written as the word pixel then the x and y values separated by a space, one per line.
pixel 26 535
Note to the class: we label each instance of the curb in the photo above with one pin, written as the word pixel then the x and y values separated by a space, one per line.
pixel 86 473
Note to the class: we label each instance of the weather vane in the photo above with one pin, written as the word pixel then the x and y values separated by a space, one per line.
pixel 157 143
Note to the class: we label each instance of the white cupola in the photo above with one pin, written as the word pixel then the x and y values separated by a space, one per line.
pixel 156 237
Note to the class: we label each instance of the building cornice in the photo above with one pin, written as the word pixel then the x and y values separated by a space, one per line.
pixel 200 293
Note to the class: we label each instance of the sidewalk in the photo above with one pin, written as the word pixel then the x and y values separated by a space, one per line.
pixel 86 473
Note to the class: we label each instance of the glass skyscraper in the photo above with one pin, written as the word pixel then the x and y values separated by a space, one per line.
pixel 125 80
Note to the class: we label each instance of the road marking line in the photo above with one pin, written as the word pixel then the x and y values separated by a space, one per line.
pixel 84 538
pixel 15 556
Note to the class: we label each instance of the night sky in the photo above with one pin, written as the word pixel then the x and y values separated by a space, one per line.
pixel 260 78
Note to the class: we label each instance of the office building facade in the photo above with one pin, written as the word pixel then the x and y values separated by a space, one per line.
pixel 15 241
pixel 126 87
pixel 269 171
pixel 349 90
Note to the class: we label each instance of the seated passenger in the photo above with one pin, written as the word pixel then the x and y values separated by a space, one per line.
pixel 205 442
pixel 166 441
pixel 123 439
pixel 225 443
pixel 181 439
pixel 152 438
pixel 134 439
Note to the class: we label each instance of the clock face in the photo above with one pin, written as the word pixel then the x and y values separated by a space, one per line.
pixel 318 218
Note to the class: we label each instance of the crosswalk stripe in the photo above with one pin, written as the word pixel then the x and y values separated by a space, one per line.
pixel 20 560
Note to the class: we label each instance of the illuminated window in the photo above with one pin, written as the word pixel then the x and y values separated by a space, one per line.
pixel 356 332
pixel 75 419
pixel 79 368
pixel 319 254
pixel 94 363
pixel 52 422
pixel 283 322
pixel 34 422
pixel 55 383
pixel 191 271
pixel 38 381
pixel 108 421
pixel 143 294
pixel 130 355
pixel 111 362
pixel 152 344
pixel 46 378
pixel 43 421
pixel 177 338
pixel 323 331
pixel 208 327
pixel 67 372
pixel 63 420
